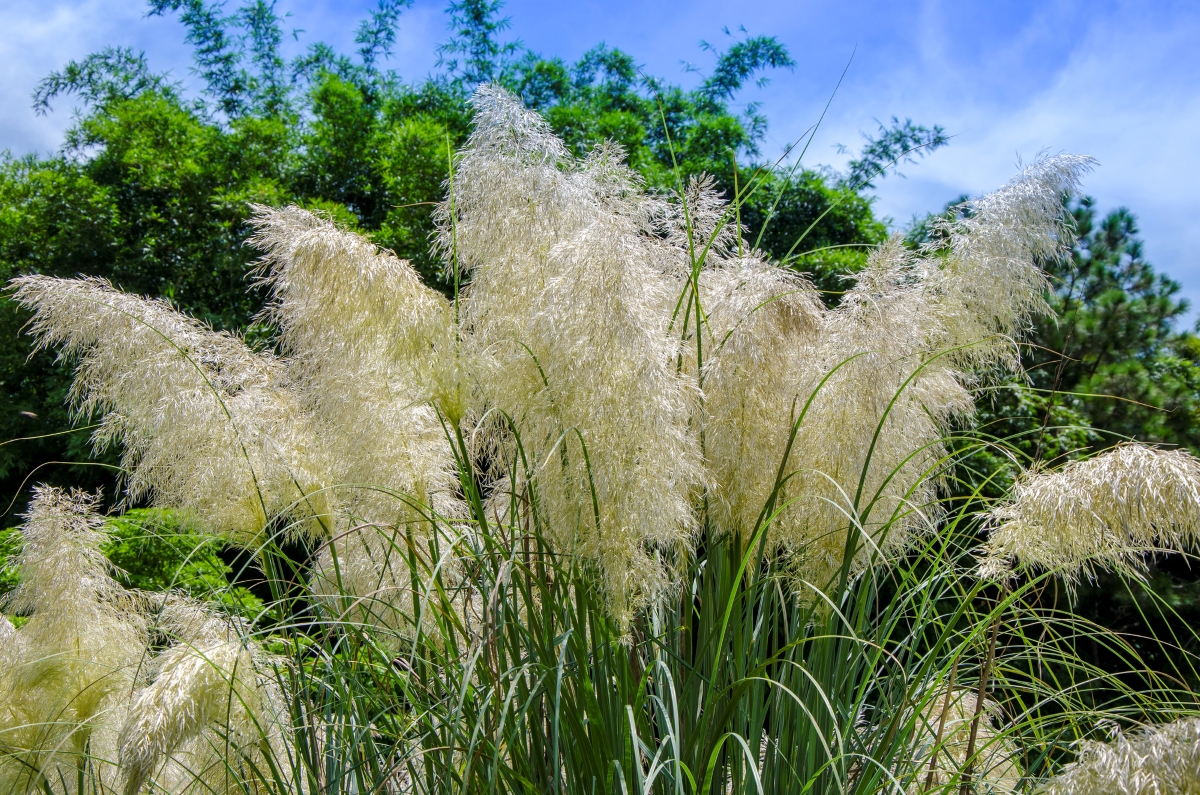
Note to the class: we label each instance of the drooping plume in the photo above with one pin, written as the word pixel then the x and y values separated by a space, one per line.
pixel 374 356
pixel 211 714
pixel 68 670
pixel 1154 760
pixel 991 283
pixel 565 310
pixel 371 351
pixel 943 738
pixel 1108 512
pixel 887 372
pixel 207 425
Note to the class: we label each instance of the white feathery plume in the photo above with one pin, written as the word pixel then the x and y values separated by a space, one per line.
pixel 211 711
pixel 698 226
pixel 919 330
pixel 11 651
pixel 10 644
pixel 207 424
pixel 944 732
pixel 762 325
pixel 1105 512
pixel 991 284
pixel 565 311
pixel 866 454
pixel 68 669
pixel 1155 760
pixel 896 357
pixel 371 350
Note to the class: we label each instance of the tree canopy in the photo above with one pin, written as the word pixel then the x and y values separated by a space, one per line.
pixel 153 185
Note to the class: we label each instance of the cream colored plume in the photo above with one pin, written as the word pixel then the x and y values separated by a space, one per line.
pixel 762 331
pixel 567 312
pixel 651 370
pixel 207 424
pixel 1155 760
pixel 887 373
pixel 211 713
pixel 371 351
pixel 374 356
pixel 68 671
pixel 991 284
pixel 943 737
pixel 1107 512
pixel 364 578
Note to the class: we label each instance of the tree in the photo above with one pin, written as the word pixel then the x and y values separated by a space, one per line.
pixel 1124 365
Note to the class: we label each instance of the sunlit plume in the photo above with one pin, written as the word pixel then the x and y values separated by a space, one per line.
pixel 212 712
pixel 68 671
pixel 1108 512
pixel 565 313
pixel 1153 760
pixel 205 423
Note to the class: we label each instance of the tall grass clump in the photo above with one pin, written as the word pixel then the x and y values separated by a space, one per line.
pixel 632 511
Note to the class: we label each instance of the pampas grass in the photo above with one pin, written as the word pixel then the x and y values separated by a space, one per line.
pixel 70 667
pixel 1108 512
pixel 206 424
pixel 633 511
pixel 1149 761
pixel 87 680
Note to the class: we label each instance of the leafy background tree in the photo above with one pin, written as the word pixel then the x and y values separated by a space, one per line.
pixel 1108 363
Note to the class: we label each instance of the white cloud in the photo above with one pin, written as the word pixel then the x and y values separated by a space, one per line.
pixel 1123 90
pixel 39 37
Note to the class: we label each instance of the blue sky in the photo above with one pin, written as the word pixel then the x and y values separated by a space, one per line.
pixel 1117 80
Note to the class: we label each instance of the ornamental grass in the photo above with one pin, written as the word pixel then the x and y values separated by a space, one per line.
pixel 631 511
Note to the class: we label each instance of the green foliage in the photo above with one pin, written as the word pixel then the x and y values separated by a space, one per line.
pixel 217 52
pixel 412 157
pixel 10 545
pixel 902 142
pixel 473 55
pixel 113 74
pixel 1019 425
pixel 666 132
pixel 377 33
pixel 740 62
pixel 817 227
pixel 157 551
pixel 1123 363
